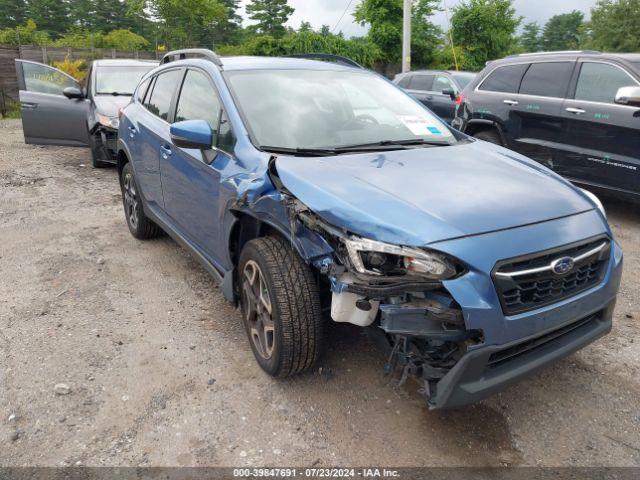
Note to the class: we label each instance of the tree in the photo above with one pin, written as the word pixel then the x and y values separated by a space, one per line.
pixel 325 30
pixel 270 16
pixel 384 18
pixel 188 23
pixel 305 27
pixel 13 13
pixel 27 34
pixel 562 32
pixel 227 30
pixel 485 29
pixel 614 26
pixel 52 16
pixel 530 40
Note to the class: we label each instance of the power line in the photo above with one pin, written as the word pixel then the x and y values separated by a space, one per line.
pixel 342 16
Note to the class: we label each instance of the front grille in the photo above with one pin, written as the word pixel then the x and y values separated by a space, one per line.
pixel 516 351
pixel 522 293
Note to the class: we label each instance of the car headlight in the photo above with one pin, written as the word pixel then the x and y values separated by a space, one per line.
pixel 383 259
pixel 111 122
pixel 595 200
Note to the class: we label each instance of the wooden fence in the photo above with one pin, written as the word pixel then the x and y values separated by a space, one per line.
pixel 8 54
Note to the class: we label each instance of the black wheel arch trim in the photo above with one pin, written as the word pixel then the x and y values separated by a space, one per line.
pixel 487 123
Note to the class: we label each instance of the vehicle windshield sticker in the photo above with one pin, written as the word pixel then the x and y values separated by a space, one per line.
pixel 419 125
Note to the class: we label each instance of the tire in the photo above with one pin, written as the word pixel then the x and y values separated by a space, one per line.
pixel 291 337
pixel 140 226
pixel 95 154
pixel 491 136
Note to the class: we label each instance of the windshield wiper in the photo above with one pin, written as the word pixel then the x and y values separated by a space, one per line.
pixel 311 152
pixel 385 144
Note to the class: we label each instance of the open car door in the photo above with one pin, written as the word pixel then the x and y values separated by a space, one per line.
pixel 48 116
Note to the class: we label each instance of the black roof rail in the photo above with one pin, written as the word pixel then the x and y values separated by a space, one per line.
pixel 327 57
pixel 191 53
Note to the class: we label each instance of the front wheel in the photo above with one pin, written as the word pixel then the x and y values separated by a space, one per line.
pixel 140 226
pixel 280 305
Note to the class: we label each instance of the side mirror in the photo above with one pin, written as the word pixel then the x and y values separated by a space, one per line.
pixel 628 96
pixel 451 92
pixel 73 93
pixel 192 134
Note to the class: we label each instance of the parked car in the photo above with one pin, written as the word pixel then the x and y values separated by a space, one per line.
pixel 437 89
pixel 57 110
pixel 309 189
pixel 577 113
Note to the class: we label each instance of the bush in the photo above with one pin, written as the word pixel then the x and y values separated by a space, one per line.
pixel 76 68
pixel 26 34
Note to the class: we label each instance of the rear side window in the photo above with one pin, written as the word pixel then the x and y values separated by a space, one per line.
pixel 198 100
pixel 547 79
pixel 422 82
pixel 504 79
pixel 165 86
pixel 599 82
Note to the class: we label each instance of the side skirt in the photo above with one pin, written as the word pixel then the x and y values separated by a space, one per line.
pixel 225 281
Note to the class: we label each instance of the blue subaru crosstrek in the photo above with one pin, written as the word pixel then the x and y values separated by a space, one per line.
pixel 316 192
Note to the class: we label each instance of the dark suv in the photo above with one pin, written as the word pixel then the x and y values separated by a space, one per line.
pixel 575 112
pixel 436 89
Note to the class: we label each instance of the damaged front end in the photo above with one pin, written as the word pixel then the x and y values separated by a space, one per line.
pixel 398 294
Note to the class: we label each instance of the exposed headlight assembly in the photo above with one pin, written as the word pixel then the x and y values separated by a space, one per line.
pixel 382 259
pixel 111 122
pixel 595 200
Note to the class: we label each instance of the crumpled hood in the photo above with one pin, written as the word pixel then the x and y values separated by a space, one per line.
pixel 109 105
pixel 421 196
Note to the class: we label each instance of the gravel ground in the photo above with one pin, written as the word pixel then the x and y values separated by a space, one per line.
pixel 157 370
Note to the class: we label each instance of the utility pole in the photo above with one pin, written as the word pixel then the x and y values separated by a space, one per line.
pixel 406 37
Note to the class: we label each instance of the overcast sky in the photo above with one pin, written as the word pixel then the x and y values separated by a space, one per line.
pixel 328 12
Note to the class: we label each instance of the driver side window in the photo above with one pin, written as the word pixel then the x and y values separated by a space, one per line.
pixel 40 78
pixel 199 101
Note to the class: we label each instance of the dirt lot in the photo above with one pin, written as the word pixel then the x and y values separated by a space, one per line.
pixel 160 371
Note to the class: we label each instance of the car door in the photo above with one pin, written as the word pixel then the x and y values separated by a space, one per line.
pixel 48 117
pixel 441 103
pixel 420 87
pixel 151 132
pixel 536 118
pixel 602 137
pixel 191 177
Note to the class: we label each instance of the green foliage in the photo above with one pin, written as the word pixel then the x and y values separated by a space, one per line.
pixel 52 16
pixel 125 40
pixel 188 23
pixel 384 18
pixel 485 29
pixel 27 34
pixel 445 59
pixel 562 32
pixel 531 40
pixel 12 13
pixel 270 16
pixel 614 26
pixel 227 29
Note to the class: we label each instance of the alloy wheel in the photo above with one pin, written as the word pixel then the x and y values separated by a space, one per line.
pixel 257 310
pixel 130 200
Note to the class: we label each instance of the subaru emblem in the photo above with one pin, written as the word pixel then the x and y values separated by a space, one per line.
pixel 563 265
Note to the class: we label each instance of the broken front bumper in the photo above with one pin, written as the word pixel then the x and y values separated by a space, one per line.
pixel 495 349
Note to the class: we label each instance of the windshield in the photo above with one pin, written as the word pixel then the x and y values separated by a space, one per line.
pixel 306 109
pixel 463 78
pixel 119 80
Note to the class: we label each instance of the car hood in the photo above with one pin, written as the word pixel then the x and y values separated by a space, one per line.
pixel 109 105
pixel 426 195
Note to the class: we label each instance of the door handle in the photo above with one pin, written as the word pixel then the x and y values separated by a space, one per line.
pixel 513 103
pixel 576 111
pixel 165 151
pixel 29 105
pixel 429 97
pixel 132 132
